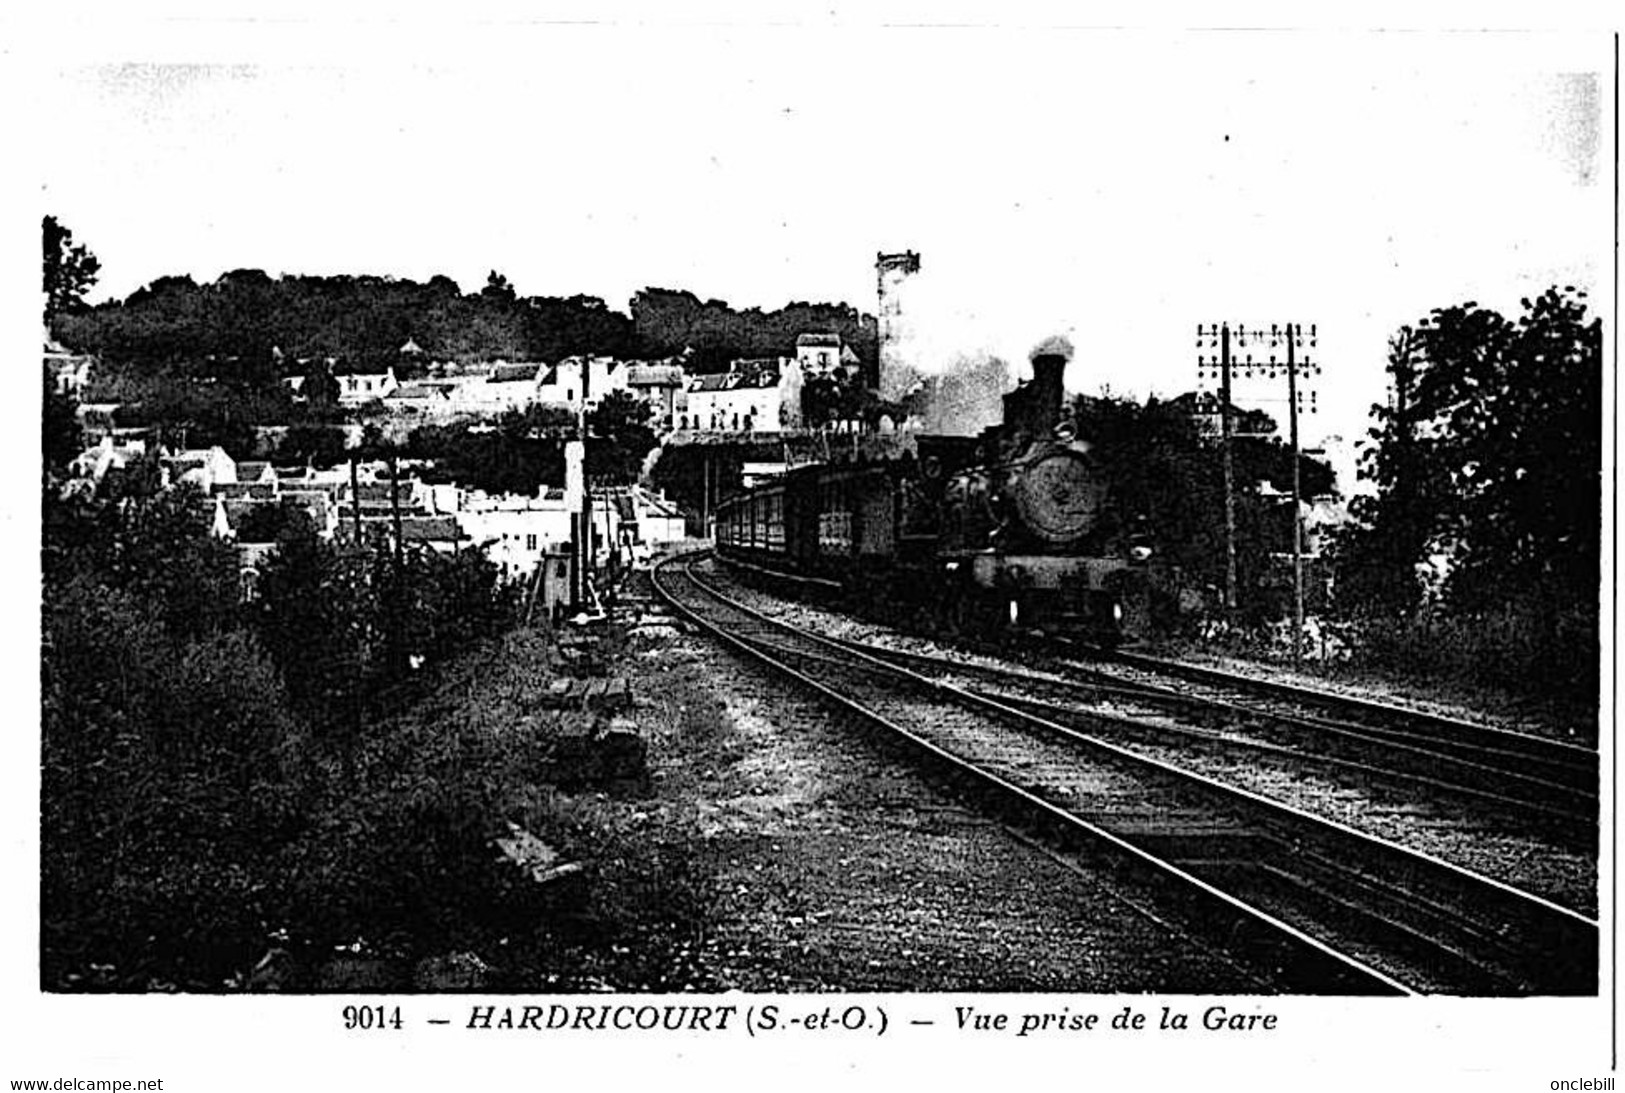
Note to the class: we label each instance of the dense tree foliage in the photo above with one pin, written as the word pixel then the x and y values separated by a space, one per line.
pixel 168 781
pixel 194 412
pixel 516 454
pixel 59 427
pixel 155 546
pixel 697 476
pixel 1167 489
pixel 268 523
pixel 1488 460
pixel 273 327
pixel 70 271
pixel 185 734
pixel 317 445
pixel 165 740
pixel 621 438
pixel 251 327
pixel 715 333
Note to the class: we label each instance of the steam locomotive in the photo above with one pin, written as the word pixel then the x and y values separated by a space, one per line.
pixel 1008 529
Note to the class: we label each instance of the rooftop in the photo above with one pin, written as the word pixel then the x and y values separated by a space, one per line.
pixel 512 373
pixel 418 390
pixel 425 529
pixel 654 375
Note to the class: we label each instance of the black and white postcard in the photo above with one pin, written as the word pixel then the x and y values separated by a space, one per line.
pixel 605 543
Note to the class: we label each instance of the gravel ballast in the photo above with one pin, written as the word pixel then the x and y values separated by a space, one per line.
pixel 835 865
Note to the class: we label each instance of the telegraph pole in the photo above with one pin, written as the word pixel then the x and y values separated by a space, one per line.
pixel 579 508
pixel 355 503
pixel 1226 427
pixel 1297 499
pixel 587 559
pixel 1293 336
pixel 1225 430
pixel 397 637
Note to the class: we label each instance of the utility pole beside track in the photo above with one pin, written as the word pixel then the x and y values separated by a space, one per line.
pixel 1292 340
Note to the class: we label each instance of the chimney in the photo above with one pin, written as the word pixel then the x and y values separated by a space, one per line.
pixel 1047 391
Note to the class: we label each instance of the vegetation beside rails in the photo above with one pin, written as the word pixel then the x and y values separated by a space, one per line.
pixel 1527 650
pixel 1526 656
pixel 286 795
pixel 208 778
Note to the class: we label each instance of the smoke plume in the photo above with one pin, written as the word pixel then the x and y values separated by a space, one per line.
pixel 962 399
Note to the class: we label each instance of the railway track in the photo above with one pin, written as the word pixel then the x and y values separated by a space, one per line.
pixel 1539 762
pixel 1330 909
pixel 1557 798
pixel 1550 784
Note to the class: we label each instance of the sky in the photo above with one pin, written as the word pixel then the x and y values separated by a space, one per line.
pixel 1118 186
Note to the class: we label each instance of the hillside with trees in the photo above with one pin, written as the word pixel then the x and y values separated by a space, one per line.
pixel 249 326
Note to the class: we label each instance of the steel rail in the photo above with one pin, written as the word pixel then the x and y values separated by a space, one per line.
pixel 1523 742
pixel 1539 764
pixel 1393 743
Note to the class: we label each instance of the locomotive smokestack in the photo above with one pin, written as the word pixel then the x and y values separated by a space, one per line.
pixel 1049 358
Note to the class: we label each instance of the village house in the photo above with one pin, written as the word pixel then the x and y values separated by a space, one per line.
pixel 381 499
pixel 502 388
pixel 659 520
pixel 561 385
pixel 439 534
pixel 357 387
pixel 203 467
pixel 760 396
pixel 662 388
pixel 264 489
pixel 516 531
pixel 69 371
pixel 256 471
pixel 110 453
pixel 99 420
pixel 431 400
pixel 818 354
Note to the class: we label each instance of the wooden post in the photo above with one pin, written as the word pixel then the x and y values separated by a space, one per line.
pixel 395 507
pixel 1297 495
pixel 1226 427
pixel 355 503
pixel 587 557
pixel 397 596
